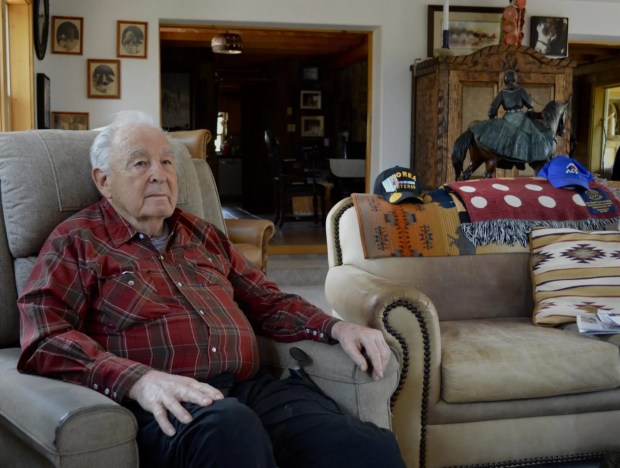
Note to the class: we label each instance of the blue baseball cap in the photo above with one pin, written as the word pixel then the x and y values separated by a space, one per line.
pixel 398 184
pixel 563 171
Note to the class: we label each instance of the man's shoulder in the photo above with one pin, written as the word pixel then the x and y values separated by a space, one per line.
pixel 88 218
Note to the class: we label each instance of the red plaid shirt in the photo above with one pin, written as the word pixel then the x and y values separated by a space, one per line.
pixel 103 306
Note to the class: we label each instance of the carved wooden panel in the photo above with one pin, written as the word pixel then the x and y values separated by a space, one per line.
pixel 449 92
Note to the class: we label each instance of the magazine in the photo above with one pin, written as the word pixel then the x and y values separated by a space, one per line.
pixel 601 323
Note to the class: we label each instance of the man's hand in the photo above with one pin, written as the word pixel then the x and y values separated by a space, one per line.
pixel 159 392
pixel 353 338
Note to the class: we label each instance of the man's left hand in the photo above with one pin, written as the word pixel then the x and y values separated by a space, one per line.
pixel 354 338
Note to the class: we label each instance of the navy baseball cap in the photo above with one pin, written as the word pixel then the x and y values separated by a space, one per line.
pixel 563 171
pixel 398 184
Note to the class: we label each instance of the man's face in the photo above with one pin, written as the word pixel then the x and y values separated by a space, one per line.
pixel 141 183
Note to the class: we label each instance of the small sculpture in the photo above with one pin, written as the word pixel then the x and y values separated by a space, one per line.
pixel 516 138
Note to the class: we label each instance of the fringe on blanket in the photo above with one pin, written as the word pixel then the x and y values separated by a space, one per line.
pixel 511 231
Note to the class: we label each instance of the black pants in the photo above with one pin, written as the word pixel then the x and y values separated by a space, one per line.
pixel 266 422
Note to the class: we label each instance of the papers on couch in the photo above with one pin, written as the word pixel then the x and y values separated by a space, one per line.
pixel 601 323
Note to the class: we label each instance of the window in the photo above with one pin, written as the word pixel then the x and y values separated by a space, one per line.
pixel 222 131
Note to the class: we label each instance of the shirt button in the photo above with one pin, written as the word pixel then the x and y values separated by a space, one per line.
pixel 179 284
pixel 201 312
pixel 130 283
pixel 107 391
pixel 214 349
pixel 161 257
pixel 314 332
pixel 141 236
pixel 307 330
pixel 96 387
pixel 114 394
pixel 321 335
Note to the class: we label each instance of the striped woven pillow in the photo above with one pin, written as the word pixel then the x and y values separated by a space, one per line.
pixel 574 273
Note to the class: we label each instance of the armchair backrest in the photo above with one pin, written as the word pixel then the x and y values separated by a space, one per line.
pixel 45 177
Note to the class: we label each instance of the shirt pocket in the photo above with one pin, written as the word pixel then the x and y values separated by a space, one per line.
pixel 204 268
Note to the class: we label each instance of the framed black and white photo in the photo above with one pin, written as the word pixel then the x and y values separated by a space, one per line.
pixel 310 73
pixel 131 39
pixel 310 100
pixel 312 126
pixel 70 120
pixel 103 78
pixel 549 35
pixel 67 32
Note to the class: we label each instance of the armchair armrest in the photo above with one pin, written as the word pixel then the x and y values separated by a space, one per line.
pixel 75 426
pixel 409 321
pixel 252 237
pixel 338 376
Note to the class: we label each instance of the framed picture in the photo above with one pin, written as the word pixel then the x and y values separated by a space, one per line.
pixel 67 32
pixel 103 78
pixel 70 120
pixel 549 35
pixel 131 39
pixel 471 28
pixel 41 26
pixel 312 126
pixel 43 101
pixel 176 101
pixel 310 73
pixel 310 100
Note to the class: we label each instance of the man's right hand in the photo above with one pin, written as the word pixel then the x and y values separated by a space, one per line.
pixel 159 392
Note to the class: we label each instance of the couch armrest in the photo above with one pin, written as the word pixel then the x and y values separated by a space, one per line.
pixel 254 232
pixel 338 376
pixel 409 322
pixel 74 424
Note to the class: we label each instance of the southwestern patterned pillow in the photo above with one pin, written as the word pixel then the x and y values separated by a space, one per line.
pixel 574 273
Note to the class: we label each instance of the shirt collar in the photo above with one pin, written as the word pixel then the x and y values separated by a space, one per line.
pixel 119 230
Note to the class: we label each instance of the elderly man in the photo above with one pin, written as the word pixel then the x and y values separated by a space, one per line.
pixel 155 308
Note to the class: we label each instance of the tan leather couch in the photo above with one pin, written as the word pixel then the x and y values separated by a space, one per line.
pixel 480 385
pixel 44 178
pixel 250 236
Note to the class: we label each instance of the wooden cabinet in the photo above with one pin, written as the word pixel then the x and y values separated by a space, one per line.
pixel 451 92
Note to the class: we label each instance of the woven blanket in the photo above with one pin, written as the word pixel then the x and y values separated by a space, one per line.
pixel 415 229
pixel 506 210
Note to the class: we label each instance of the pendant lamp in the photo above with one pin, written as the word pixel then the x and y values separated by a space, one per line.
pixel 227 43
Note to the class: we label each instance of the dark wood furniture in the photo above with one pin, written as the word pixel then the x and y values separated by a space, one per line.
pixel 450 92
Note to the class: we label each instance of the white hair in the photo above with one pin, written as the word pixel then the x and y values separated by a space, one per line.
pixel 103 144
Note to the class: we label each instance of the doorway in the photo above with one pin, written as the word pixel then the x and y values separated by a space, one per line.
pixel 263 88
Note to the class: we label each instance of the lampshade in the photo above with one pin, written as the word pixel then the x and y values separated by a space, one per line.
pixel 227 43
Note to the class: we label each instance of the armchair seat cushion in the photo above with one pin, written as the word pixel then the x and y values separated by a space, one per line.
pixel 510 358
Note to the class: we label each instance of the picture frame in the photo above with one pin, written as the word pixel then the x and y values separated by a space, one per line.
pixel 471 28
pixel 312 126
pixel 41 26
pixel 67 35
pixel 70 120
pixel 176 109
pixel 43 101
pixel 310 73
pixel 103 78
pixel 131 39
pixel 310 100
pixel 549 35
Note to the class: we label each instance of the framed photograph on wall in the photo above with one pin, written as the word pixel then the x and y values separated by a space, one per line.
pixel 131 39
pixel 310 100
pixel 70 120
pixel 312 126
pixel 549 35
pixel 43 101
pixel 310 73
pixel 471 28
pixel 176 111
pixel 67 32
pixel 103 78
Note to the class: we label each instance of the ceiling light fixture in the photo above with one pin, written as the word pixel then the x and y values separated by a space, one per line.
pixel 227 43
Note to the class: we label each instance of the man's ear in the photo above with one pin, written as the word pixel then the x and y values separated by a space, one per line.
pixel 101 179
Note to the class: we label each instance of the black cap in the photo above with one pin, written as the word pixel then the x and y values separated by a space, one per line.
pixel 398 184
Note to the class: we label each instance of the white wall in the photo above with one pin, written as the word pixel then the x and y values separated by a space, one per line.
pixel 400 38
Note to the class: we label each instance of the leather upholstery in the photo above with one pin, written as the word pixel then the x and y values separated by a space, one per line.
pixel 480 384
pixel 251 236
pixel 44 178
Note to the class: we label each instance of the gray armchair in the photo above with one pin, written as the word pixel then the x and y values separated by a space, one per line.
pixel 44 178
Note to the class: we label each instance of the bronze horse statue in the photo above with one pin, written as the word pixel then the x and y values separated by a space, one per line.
pixel 498 143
